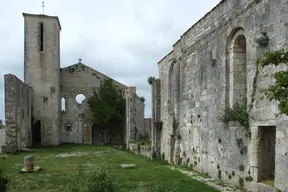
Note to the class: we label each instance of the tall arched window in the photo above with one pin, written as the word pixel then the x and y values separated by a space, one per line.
pixel 63 104
pixel 237 67
pixel 171 85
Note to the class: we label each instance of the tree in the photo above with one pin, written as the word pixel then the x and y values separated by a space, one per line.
pixel 142 99
pixel 150 80
pixel 279 90
pixel 107 105
pixel 2 126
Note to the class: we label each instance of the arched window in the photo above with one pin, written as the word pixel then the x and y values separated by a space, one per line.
pixel 171 85
pixel 237 67
pixel 41 37
pixel 63 105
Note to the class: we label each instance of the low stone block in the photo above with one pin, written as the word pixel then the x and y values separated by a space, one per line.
pixel 29 163
pixel 127 166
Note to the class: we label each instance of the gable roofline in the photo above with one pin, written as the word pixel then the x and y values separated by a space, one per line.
pixel 125 86
pixel 165 57
pixel 194 25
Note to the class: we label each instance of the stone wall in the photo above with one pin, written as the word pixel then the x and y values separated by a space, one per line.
pixel 76 120
pixel 156 124
pixel 281 153
pixel 140 120
pixel 18 113
pixel 135 123
pixel 142 150
pixel 147 125
pixel 2 138
pixel 207 71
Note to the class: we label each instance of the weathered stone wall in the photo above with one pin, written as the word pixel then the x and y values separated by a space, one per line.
pixel 207 71
pixel 18 113
pixel 140 120
pixel 2 138
pixel 147 125
pixel 281 153
pixel 41 72
pixel 156 127
pixel 78 79
pixel 135 121
pixel 131 109
pixel 142 150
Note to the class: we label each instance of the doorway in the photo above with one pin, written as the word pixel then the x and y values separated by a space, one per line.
pixel 266 158
pixel 36 133
pixel 98 134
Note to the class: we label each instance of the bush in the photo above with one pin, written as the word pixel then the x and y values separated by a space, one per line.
pixel 102 181
pixel 142 99
pixel 3 181
pixel 150 80
pixel 93 181
pixel 238 113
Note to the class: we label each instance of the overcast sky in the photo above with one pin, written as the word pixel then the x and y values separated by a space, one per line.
pixel 123 39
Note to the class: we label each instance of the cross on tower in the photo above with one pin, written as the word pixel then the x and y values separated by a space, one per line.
pixel 43 7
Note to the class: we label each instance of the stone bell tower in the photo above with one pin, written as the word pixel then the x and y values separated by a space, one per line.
pixel 42 73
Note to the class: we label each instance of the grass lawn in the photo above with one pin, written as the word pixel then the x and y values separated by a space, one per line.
pixel 60 164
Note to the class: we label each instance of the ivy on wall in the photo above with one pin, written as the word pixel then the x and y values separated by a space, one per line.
pixel 241 110
pixel 279 90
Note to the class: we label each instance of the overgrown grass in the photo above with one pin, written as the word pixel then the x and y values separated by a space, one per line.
pixel 64 166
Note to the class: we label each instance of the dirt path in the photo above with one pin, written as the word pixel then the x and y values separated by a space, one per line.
pixel 209 181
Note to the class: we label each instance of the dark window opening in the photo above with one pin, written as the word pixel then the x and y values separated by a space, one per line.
pixel 41 36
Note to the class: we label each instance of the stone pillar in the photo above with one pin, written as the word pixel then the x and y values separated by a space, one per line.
pixel 131 115
pixel 87 133
pixel 156 116
pixel 253 150
pixel 10 112
pixel 80 128
pixel 29 163
pixel 153 127
pixel 281 153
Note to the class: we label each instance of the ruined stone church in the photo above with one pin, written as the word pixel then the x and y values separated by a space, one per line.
pixel 44 109
pixel 212 67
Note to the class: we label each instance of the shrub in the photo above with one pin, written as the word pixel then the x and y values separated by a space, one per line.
pixel 238 113
pixel 142 99
pixel 93 181
pixel 101 181
pixel 150 80
pixel 3 181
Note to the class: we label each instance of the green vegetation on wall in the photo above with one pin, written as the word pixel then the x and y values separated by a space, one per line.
pixel 279 90
pixel 2 126
pixel 150 80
